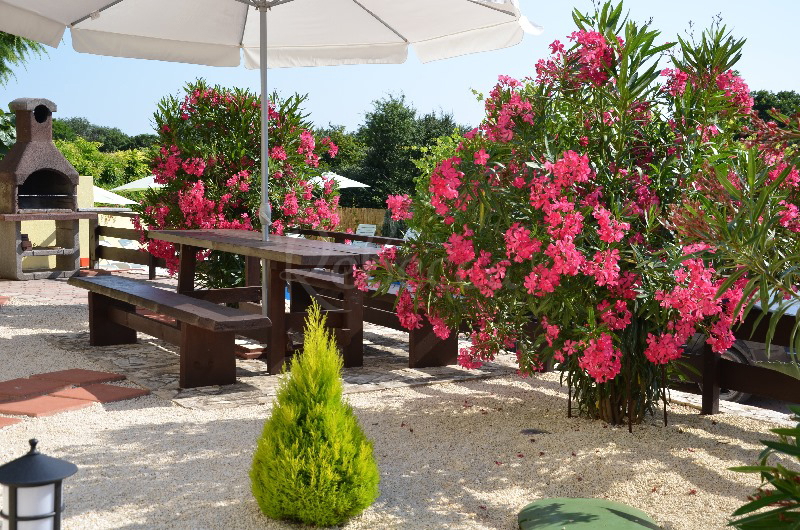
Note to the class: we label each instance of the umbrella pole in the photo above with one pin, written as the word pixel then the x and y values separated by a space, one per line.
pixel 264 212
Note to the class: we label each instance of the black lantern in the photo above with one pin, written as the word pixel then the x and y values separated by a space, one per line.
pixel 32 491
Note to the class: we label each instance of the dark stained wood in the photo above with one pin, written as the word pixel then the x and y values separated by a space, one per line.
pixel 426 349
pixel 750 378
pixel 352 347
pixel 335 319
pixel 126 255
pixel 205 336
pixel 228 295
pixel 118 233
pixel 340 237
pixel 289 250
pixel 711 381
pixel 103 331
pixel 252 271
pixel 299 297
pixel 192 311
pixel 758 380
pixel 276 288
pixel 386 319
pixel 143 324
pixel 94 242
pixel 749 330
pixel 187 263
pixel 206 358
pixel 325 279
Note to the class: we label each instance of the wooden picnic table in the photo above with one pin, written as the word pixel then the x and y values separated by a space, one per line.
pixel 279 253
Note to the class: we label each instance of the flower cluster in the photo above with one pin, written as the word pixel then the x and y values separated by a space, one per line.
pixel 209 166
pixel 555 212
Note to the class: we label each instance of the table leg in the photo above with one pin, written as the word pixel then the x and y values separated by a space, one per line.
pixel 187 256
pixel 276 310
pixel 252 271
pixel 353 349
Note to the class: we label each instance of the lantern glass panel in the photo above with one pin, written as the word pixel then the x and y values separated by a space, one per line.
pixel 38 500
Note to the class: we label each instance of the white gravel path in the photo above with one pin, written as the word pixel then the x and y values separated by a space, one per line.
pixel 451 455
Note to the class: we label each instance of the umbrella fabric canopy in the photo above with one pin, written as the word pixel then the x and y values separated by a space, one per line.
pixel 343 182
pixel 139 184
pixel 299 32
pixel 106 197
pixel 284 33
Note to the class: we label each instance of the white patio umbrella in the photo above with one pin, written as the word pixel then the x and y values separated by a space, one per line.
pixel 342 181
pixel 285 33
pixel 139 184
pixel 106 197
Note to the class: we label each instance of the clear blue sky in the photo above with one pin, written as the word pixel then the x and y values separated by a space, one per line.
pixel 123 93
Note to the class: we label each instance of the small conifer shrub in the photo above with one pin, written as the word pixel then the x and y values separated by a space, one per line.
pixel 313 463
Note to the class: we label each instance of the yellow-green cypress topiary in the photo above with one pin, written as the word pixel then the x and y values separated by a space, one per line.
pixel 313 462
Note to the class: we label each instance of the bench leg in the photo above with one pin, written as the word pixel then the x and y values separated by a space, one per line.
pixel 276 311
pixel 425 349
pixel 353 334
pixel 207 357
pixel 102 330
pixel 710 378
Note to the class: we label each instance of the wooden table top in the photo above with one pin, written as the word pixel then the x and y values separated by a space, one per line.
pixel 289 250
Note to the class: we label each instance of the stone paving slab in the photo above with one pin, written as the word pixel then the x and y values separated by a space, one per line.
pixel 25 387
pixel 42 406
pixel 102 393
pixel 78 377
pixel 7 422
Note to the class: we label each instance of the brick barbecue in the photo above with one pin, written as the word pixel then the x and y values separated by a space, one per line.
pixel 37 183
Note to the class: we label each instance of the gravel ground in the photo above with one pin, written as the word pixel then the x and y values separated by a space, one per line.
pixel 451 455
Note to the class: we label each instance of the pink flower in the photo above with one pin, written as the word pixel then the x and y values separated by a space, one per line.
pixel 405 311
pixel 459 249
pixel 481 157
pixel 519 243
pixel 663 349
pixel 600 359
pixel 399 206
pixel 277 153
pixel 609 230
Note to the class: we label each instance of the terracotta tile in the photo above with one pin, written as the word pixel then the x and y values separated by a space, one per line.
pixel 21 388
pixel 78 376
pixel 5 422
pixel 155 316
pixel 4 300
pixel 93 272
pixel 42 406
pixel 244 352
pixel 102 393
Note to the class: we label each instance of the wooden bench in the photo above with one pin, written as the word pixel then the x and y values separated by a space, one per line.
pixel 203 331
pixel 329 287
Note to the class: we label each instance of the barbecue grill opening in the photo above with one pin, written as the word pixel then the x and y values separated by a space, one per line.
pixel 46 189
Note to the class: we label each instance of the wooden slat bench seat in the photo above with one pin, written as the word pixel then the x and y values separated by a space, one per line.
pixel 425 348
pixel 204 332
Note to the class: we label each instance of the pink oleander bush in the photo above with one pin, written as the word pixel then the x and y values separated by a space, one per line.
pixel 570 206
pixel 209 164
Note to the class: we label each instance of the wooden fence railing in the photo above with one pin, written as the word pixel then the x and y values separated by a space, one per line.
pixel 98 251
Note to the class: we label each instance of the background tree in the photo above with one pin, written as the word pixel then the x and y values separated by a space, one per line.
pixel 393 137
pixel 786 102
pixel 110 138
pixel 14 51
